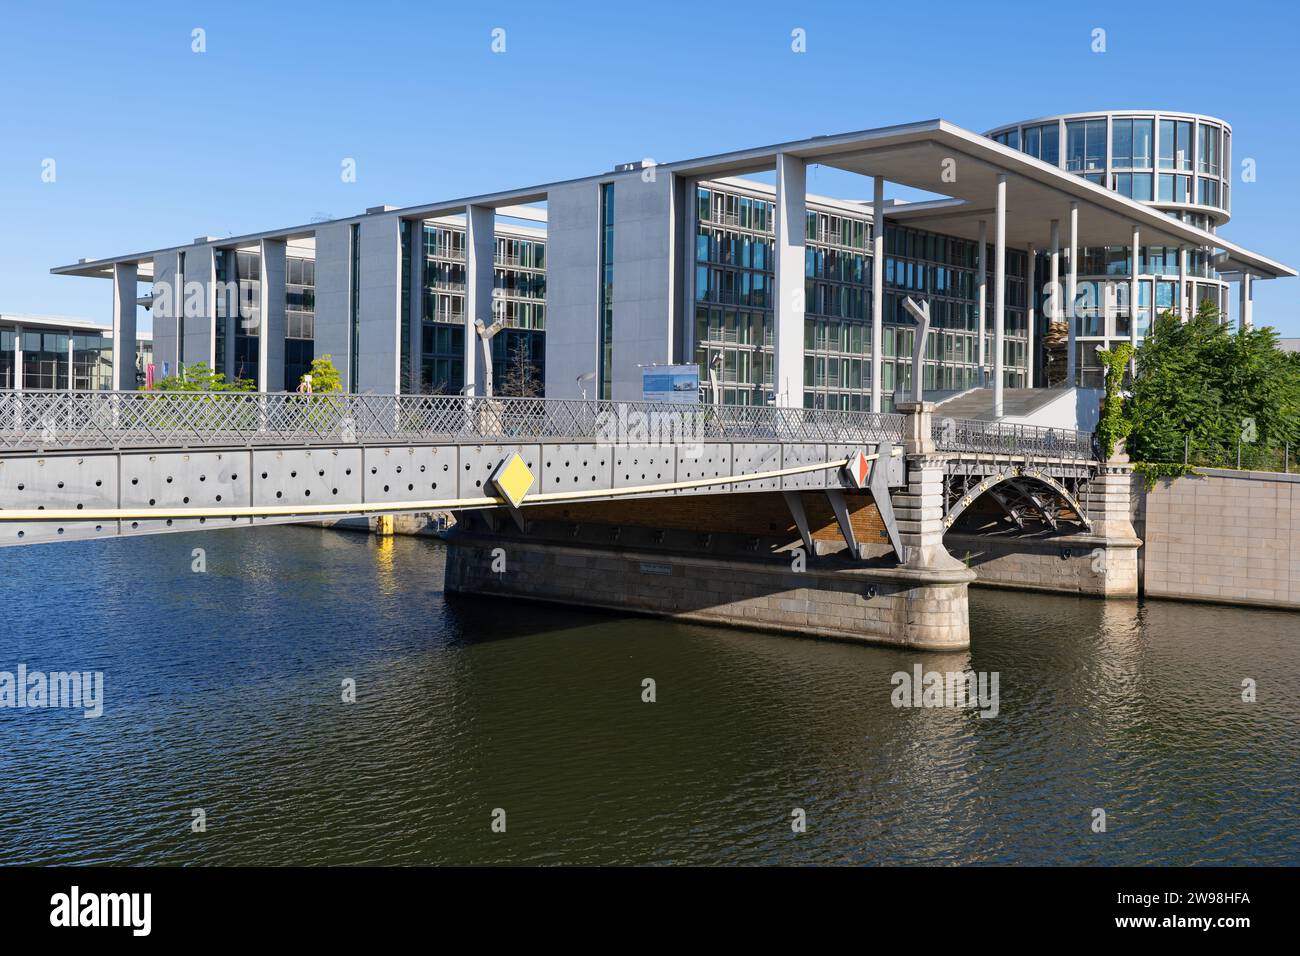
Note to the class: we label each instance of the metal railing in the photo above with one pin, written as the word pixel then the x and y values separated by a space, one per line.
pixel 1241 455
pixel 1031 441
pixel 59 420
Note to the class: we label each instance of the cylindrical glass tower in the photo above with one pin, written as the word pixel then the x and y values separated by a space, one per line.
pixel 1177 162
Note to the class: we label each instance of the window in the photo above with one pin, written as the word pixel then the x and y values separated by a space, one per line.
pixel 1207 150
pixel 92 359
pixel 45 360
pixel 1134 185
pixel 7 363
pixel 1043 142
pixel 1085 145
pixel 1176 145
pixel 1175 188
pixel 1208 192
pixel 1131 143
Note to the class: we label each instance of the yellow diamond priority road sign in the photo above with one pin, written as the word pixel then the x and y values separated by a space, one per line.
pixel 513 479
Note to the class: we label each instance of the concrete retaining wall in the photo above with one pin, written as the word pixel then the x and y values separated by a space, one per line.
pixel 1223 536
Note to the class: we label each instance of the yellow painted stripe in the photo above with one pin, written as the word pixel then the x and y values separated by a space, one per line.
pixel 377 507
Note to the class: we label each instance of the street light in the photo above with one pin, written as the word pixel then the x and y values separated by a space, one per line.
pixel 584 377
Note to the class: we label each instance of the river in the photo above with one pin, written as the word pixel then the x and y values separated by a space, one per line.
pixel 223 703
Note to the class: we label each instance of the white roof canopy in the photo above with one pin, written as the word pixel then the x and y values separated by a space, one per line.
pixel 935 156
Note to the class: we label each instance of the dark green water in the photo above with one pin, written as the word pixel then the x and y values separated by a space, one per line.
pixel 223 692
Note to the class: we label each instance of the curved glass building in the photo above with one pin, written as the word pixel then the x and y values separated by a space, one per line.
pixel 1176 162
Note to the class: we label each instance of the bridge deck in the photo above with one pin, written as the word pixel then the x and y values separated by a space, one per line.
pixel 76 464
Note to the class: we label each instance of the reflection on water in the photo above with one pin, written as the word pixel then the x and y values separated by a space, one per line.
pixel 223 691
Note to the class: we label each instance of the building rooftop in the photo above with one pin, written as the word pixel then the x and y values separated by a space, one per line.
pixel 934 156
pixel 60 323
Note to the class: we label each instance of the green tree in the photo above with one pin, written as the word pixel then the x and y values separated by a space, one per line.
pixel 200 377
pixel 1200 380
pixel 324 376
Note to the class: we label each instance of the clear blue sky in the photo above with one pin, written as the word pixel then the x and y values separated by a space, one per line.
pixel 155 144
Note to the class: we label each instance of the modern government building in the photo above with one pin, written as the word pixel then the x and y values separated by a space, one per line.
pixel 797 299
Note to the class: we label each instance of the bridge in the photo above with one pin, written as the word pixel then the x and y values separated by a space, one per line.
pixel 861 496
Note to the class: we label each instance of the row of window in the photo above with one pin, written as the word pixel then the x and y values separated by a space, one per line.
pixel 448 242
pixel 722 209
pixel 1133 144
pixel 1152 260
pixel 1138 144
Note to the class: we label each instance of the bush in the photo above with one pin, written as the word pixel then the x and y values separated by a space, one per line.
pixel 199 377
pixel 324 376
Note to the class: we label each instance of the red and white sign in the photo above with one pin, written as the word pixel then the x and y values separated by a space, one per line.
pixel 858 469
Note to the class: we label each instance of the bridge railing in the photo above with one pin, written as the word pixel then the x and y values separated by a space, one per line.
pixel 1033 441
pixel 53 420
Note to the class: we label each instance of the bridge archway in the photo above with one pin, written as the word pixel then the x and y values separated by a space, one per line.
pixel 1026 496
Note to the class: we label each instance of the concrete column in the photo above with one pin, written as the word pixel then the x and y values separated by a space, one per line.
pixel 1245 318
pixel 1135 250
pixel 125 277
pixel 1054 274
pixel 981 283
pixel 379 304
pixel 999 290
pixel 71 355
pixel 1182 283
pixel 573 280
pixel 788 289
pixel 18 358
pixel 164 310
pixel 480 273
pixel 1030 316
pixel 200 304
pixel 270 304
pixel 333 296
pixel 877 292
pixel 415 341
pixel 645 220
pixel 1071 292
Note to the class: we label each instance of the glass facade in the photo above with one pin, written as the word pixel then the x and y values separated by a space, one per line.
pixel 45 358
pixel 518 296
pixel 944 270
pixel 605 347
pixel 248 326
pixel 92 361
pixel 354 305
pixel 734 243
pixel 405 379
pixel 238 326
pixel 299 319
pixel 442 331
pixel 734 275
